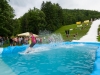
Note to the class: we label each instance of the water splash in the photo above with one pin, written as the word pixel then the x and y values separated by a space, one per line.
pixel 47 37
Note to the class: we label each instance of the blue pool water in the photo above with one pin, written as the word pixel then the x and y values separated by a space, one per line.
pixel 68 59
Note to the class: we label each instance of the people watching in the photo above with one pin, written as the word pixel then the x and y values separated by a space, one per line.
pixel 13 41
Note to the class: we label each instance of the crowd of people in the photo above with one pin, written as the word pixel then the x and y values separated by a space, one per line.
pixel 13 41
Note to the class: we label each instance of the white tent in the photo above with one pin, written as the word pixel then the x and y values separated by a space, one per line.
pixel 26 34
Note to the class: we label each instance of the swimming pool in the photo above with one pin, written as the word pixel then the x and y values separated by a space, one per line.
pixel 51 59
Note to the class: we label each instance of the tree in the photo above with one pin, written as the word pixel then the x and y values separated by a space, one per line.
pixel 6 16
pixel 54 15
pixel 16 27
pixel 33 21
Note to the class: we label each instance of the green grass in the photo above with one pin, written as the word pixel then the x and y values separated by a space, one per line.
pixel 80 31
pixel 98 37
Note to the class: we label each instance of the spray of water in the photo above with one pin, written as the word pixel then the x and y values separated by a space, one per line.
pixel 47 37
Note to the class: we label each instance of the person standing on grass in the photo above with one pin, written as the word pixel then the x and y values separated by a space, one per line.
pixel 11 41
pixel 0 41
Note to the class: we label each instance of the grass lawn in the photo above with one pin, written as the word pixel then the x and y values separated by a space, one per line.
pixel 98 37
pixel 78 32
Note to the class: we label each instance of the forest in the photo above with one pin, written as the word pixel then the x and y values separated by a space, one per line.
pixel 50 16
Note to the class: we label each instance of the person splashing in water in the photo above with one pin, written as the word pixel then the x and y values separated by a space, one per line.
pixel 33 42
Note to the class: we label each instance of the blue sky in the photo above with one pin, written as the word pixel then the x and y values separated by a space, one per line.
pixel 22 6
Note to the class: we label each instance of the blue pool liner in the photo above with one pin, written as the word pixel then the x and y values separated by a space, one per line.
pixel 13 49
pixel 16 49
pixel 97 63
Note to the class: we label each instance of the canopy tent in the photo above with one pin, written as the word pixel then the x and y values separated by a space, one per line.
pixel 26 34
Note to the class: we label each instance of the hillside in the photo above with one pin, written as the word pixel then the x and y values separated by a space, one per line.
pixel 75 31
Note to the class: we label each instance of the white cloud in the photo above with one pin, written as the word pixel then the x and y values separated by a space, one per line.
pixel 22 6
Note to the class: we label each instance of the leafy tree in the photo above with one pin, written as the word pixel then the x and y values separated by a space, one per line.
pixel 72 16
pixel 6 16
pixel 33 21
pixel 54 15
pixel 16 27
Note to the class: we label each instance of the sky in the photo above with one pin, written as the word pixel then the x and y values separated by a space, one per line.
pixel 22 6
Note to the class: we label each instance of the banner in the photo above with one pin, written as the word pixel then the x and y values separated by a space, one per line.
pixel 78 23
pixel 86 21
